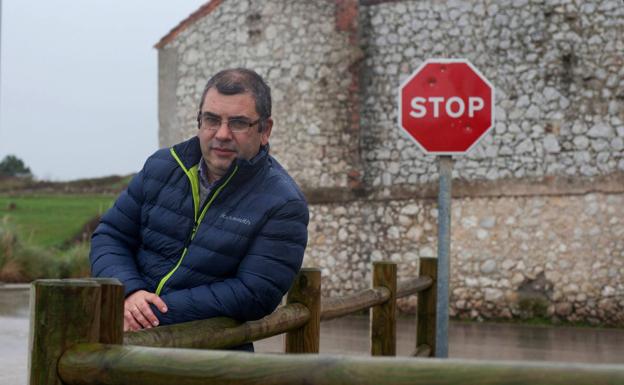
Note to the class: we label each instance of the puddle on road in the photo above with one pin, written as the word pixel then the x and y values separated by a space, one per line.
pixel 14 302
pixel 488 341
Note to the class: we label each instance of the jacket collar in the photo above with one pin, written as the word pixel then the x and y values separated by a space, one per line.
pixel 190 154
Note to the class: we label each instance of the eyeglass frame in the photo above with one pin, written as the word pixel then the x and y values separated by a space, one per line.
pixel 201 115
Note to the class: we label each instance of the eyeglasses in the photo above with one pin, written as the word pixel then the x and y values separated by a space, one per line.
pixel 213 123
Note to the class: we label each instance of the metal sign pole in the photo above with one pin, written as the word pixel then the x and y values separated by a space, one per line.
pixel 445 169
pixel 452 130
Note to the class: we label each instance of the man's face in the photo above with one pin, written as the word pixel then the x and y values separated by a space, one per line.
pixel 221 147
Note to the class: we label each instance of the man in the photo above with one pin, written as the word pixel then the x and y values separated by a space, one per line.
pixel 213 226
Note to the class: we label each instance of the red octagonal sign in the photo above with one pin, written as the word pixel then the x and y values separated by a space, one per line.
pixel 446 106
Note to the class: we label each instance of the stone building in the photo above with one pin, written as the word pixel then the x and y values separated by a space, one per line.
pixel 538 207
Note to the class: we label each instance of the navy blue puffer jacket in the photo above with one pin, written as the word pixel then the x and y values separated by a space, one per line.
pixel 236 256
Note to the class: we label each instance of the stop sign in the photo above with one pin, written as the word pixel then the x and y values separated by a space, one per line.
pixel 446 106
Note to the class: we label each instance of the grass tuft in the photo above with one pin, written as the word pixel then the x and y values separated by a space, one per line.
pixel 45 226
pixel 22 261
pixel 52 220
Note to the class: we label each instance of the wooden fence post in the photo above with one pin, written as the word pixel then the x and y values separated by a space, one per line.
pixel 62 313
pixel 111 310
pixel 426 316
pixel 383 317
pixel 306 290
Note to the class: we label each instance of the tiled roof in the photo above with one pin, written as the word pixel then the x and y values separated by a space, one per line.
pixel 184 24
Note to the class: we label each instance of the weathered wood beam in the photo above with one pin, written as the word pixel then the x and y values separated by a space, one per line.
pixel 119 365
pixel 411 286
pixel 221 332
pixel 111 310
pixel 422 351
pixel 341 306
pixel 383 316
pixel 426 312
pixel 62 313
pixel 306 290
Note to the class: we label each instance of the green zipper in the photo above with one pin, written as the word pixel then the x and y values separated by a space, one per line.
pixel 192 174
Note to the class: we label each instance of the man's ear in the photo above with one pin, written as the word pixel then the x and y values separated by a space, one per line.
pixel 266 132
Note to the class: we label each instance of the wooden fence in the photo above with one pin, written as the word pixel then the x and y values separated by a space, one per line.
pixel 304 310
pixel 77 337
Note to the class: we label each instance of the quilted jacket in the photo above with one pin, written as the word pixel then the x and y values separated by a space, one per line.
pixel 234 255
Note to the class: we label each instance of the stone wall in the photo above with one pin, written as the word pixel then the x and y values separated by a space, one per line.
pixel 304 56
pixel 548 256
pixel 538 205
pixel 558 70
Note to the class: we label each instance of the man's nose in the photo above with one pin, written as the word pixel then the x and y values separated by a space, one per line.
pixel 223 132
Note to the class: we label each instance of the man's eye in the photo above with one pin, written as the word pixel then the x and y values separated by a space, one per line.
pixel 236 124
pixel 212 121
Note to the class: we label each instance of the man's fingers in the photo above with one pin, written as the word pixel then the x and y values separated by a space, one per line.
pixel 129 322
pixel 140 318
pixel 147 312
pixel 130 328
pixel 138 314
pixel 158 302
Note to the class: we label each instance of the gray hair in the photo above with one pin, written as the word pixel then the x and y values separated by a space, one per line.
pixel 236 81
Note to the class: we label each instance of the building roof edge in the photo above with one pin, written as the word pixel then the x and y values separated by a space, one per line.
pixel 190 20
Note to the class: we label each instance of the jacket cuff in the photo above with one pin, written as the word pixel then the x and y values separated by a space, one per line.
pixel 163 318
pixel 133 285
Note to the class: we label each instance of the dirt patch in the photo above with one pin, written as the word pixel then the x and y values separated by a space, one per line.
pixel 85 232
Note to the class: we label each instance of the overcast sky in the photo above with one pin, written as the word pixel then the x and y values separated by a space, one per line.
pixel 79 83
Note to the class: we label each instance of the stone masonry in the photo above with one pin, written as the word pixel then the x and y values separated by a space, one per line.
pixel 505 261
pixel 304 59
pixel 538 207
pixel 558 69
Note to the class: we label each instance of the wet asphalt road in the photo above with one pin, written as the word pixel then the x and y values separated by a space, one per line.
pixel 350 336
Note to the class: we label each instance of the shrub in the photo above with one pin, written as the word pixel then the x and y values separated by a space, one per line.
pixel 74 262
pixel 21 261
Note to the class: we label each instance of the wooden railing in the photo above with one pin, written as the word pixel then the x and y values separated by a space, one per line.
pixel 76 338
pixel 303 312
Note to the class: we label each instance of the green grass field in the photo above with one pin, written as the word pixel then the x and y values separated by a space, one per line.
pixel 51 220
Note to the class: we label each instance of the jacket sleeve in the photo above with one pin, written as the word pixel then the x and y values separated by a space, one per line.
pixel 117 238
pixel 264 275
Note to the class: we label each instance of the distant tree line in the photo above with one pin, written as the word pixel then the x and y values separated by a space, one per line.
pixel 13 166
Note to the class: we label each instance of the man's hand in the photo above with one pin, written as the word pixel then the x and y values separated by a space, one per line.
pixel 137 312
